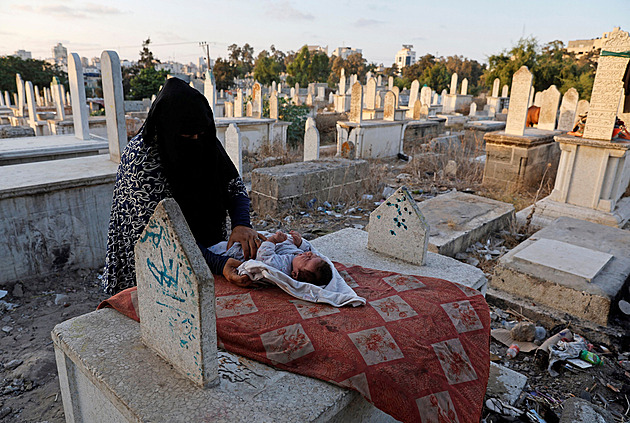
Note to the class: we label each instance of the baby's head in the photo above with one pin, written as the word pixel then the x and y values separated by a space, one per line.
pixel 311 268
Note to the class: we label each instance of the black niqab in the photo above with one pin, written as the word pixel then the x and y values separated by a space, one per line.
pixel 198 171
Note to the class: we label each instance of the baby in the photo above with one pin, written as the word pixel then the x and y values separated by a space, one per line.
pixel 290 255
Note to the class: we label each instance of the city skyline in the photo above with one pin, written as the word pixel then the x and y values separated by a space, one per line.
pixel 443 29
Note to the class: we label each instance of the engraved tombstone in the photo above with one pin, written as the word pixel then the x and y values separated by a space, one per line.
pixel 389 108
pixel 370 94
pixel 342 82
pixel 413 93
pixel 425 95
pixel 417 110
pixel 273 105
pixel 582 108
pixel 114 103
pixel 396 92
pixel 390 83
pixel 356 103
pixel 495 87
pixel 465 86
pixel 79 109
pixel 549 109
pixel 453 86
pixel 176 296
pixel 257 101
pixel 398 229
pixel 234 146
pixel 473 109
pixel 311 140
pixel 238 104
pixel 567 110
pixel 504 91
pixel 517 112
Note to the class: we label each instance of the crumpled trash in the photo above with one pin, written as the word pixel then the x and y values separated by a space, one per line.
pixel 504 409
pixel 565 350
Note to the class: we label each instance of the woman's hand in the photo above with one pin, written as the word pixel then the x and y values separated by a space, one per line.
pixel 230 273
pixel 248 238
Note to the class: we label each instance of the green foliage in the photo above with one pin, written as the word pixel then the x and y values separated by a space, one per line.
pixel 146 56
pixel 296 115
pixel 224 74
pixel 38 72
pixel 99 112
pixel 550 64
pixel 147 83
pixel 436 72
pixel 298 69
pixel 267 69
pixel 242 58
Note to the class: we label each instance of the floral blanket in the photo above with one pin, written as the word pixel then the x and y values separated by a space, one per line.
pixel 419 349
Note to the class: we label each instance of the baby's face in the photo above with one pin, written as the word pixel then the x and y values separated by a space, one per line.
pixel 305 263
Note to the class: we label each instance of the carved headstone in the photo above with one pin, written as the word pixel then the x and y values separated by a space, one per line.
pixel 257 104
pixel 517 113
pixel 389 108
pixel 370 94
pixel 309 99
pixel 238 104
pixel 464 86
pixel 390 83
pixel 398 229
pixel 228 109
pixel 495 87
pixel 417 110
pixel 549 109
pixel 249 109
pixel 567 110
pixel 504 91
pixel 453 86
pixel 30 103
pixel 311 140
pixel 234 146
pixel 425 95
pixel 7 99
pixel 176 296
pixel 356 103
pixel 77 88
pixel 114 104
pixel 473 109
pixel 342 82
pixel 55 88
pixel 607 87
pixel 538 98
pixel 532 92
pixel 273 105
pixel 210 90
pixel 396 92
pixel 379 80
pixel 413 93
pixel 21 94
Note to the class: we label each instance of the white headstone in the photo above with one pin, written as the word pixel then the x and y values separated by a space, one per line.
pixel 396 92
pixel 7 99
pixel 517 114
pixel 389 107
pixel 309 99
pixel 234 146
pixel 436 98
pixel 443 95
pixel 257 104
pixel 114 104
pixel 356 103
pixel 228 109
pixel 273 105
pixel 20 94
pixel 538 98
pixel 453 86
pixel 413 93
pixel 495 87
pixel 2 104
pixel 398 229
pixel 567 110
pixel 582 108
pixel 47 97
pixel 77 89
pixel 608 87
pixel 30 102
pixel 273 86
pixel 549 109
pixel 176 302
pixel 321 93
pixel 311 140
pixel 331 98
pixel 390 83
pixel 15 99
pixel 465 86
pixel 249 109
pixel 504 91
pixel 68 100
pixel 370 94
pixel 238 104
pixel 55 88
pixel 38 98
pixel 379 80
pixel 532 92
pixel 425 95
pixel 473 109
pixel 210 90
pixel 342 82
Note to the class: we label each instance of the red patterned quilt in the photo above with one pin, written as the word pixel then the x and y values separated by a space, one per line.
pixel 419 350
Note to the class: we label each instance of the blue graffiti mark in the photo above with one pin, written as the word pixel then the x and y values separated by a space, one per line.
pixel 378 216
pixel 392 232
pixel 151 233
pixel 185 325
pixel 165 278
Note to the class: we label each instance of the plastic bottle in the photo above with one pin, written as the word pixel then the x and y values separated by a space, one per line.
pixel 590 357
pixel 513 351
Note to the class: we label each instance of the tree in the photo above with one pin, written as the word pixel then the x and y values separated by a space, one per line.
pixel 224 73
pixel 319 68
pixel 242 58
pixel 266 68
pixel 147 83
pixel 40 73
pixel 298 69
pixel 146 56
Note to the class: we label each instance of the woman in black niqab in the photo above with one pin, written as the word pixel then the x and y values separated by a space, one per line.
pixel 177 154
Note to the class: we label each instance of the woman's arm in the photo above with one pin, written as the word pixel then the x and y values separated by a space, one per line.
pixel 239 216
pixel 224 265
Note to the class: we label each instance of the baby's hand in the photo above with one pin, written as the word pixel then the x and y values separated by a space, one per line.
pixel 277 238
pixel 297 238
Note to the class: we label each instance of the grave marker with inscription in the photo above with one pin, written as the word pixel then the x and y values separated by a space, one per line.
pixel 389 109
pixel 356 103
pixel 176 296
pixel 370 94
pixel 549 109
pixel 453 87
pixel 495 87
pixel 398 229
pixel 517 113
pixel 311 140
pixel 234 146
pixel 567 110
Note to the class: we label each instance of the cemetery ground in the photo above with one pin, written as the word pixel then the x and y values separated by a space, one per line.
pixel 29 387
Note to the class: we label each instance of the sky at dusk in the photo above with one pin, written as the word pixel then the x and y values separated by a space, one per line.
pixel 474 29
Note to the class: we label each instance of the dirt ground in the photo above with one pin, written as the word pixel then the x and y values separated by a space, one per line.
pixel 30 389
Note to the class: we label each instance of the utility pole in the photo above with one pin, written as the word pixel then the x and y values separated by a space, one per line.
pixel 203 44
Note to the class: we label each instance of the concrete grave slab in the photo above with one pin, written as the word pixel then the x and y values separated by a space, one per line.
pixel 398 229
pixel 577 410
pixel 566 258
pixel 279 188
pixel 505 384
pixel 556 288
pixel 176 295
pixel 349 246
pixel 458 220
pixel 50 147
pixel 107 375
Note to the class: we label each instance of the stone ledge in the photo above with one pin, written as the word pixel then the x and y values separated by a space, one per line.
pixel 530 138
pixel 570 139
